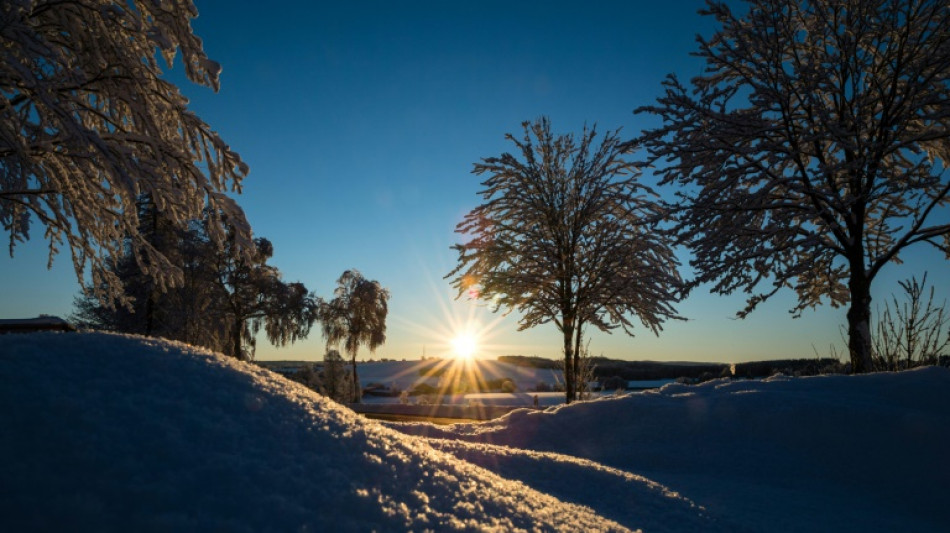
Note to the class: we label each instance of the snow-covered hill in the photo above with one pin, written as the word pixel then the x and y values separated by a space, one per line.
pixel 106 433
pixel 828 453
pixel 117 433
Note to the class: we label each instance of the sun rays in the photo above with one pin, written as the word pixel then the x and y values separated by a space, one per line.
pixel 455 329
pixel 453 337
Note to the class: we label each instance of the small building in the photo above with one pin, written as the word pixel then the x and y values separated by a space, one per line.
pixel 30 325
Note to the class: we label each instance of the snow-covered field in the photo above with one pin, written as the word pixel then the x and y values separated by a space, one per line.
pixel 406 374
pixel 106 432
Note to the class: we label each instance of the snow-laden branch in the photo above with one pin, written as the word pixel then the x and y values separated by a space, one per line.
pixel 87 126
pixel 566 234
pixel 813 148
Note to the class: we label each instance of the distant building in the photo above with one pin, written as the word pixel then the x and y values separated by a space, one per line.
pixel 30 325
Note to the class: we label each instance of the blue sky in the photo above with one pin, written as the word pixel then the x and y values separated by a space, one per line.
pixel 360 122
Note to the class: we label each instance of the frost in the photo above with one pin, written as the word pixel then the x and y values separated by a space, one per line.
pixel 88 125
pixel 812 153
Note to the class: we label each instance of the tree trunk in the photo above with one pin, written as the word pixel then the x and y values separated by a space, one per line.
pixel 236 340
pixel 357 390
pixel 569 385
pixel 150 302
pixel 859 322
pixel 580 387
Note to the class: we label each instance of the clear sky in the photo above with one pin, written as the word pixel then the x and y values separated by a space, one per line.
pixel 360 122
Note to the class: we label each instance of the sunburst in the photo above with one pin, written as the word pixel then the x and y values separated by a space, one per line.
pixel 464 345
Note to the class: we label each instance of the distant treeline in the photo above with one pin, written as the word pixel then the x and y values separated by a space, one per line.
pixel 605 368
pixel 796 367
pixel 529 361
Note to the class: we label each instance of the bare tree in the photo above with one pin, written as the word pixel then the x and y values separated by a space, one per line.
pixel 566 235
pixel 913 332
pixel 356 316
pixel 583 369
pixel 812 151
pixel 88 124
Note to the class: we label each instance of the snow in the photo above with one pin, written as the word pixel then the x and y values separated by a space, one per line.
pixel 405 374
pixel 828 453
pixel 111 432
pixel 108 432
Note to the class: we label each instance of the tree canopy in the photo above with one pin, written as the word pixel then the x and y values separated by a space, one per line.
pixel 812 151
pixel 356 316
pixel 225 299
pixel 567 234
pixel 88 124
pixel 253 296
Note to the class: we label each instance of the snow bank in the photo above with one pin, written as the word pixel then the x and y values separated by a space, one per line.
pixel 107 432
pixel 829 453
pixel 627 498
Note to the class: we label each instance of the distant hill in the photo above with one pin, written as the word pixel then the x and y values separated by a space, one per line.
pixel 649 370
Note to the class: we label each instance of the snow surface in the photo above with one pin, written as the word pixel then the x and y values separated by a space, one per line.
pixel 827 453
pixel 107 432
pixel 405 374
pixel 118 433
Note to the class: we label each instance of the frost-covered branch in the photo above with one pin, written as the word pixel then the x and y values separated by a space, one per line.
pixel 812 150
pixel 88 125
pixel 568 235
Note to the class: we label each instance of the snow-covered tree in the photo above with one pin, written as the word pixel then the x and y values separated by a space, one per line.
pixel 224 301
pixel 88 125
pixel 355 316
pixel 566 235
pixel 152 312
pixel 336 384
pixel 256 297
pixel 812 152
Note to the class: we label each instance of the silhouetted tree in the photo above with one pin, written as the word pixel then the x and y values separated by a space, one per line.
pixel 812 151
pixel 255 297
pixel 335 382
pixel 88 123
pixel 566 234
pixel 186 312
pixel 222 303
pixel 356 316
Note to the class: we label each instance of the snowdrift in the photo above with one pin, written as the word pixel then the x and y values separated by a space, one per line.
pixel 827 453
pixel 107 432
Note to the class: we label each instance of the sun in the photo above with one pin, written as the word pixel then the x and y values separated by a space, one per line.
pixel 464 345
